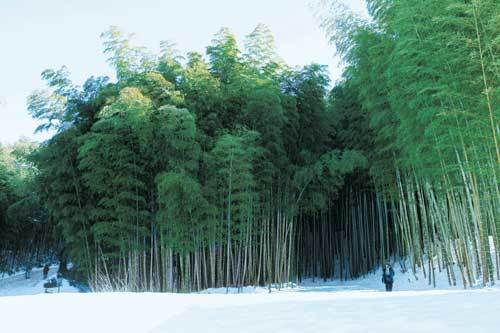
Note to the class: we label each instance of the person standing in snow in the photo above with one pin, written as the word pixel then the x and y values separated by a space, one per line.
pixel 45 271
pixel 388 277
pixel 27 273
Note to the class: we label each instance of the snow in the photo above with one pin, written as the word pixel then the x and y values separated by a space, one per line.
pixel 332 306
pixel 403 282
pixel 343 311
pixel 17 284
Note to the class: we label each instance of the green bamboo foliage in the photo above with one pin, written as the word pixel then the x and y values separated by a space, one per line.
pixel 26 236
pixel 432 68
pixel 238 170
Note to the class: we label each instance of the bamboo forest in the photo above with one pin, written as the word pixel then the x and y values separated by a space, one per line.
pixel 230 168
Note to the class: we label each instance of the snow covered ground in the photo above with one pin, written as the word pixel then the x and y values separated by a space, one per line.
pixel 353 306
pixel 17 284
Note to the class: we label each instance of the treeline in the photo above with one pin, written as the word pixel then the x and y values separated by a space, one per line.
pixel 192 172
pixel 26 236
pixel 425 74
pixel 231 168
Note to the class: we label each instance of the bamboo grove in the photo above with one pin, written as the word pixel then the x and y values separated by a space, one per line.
pixel 425 74
pixel 232 168
pixel 189 172
pixel 25 234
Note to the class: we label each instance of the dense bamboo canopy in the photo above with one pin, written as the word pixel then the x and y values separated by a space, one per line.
pixel 234 169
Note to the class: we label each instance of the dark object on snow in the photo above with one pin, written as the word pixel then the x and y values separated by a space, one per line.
pixel 27 273
pixel 45 271
pixel 63 262
pixel 388 277
pixel 52 283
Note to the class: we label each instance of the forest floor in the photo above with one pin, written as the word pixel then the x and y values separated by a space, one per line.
pixel 351 306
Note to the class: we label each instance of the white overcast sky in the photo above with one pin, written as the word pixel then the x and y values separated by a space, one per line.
pixel 40 34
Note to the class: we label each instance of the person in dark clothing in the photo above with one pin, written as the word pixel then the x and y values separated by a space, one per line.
pixel 388 277
pixel 27 273
pixel 45 271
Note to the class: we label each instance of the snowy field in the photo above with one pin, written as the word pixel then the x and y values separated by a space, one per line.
pixel 353 306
